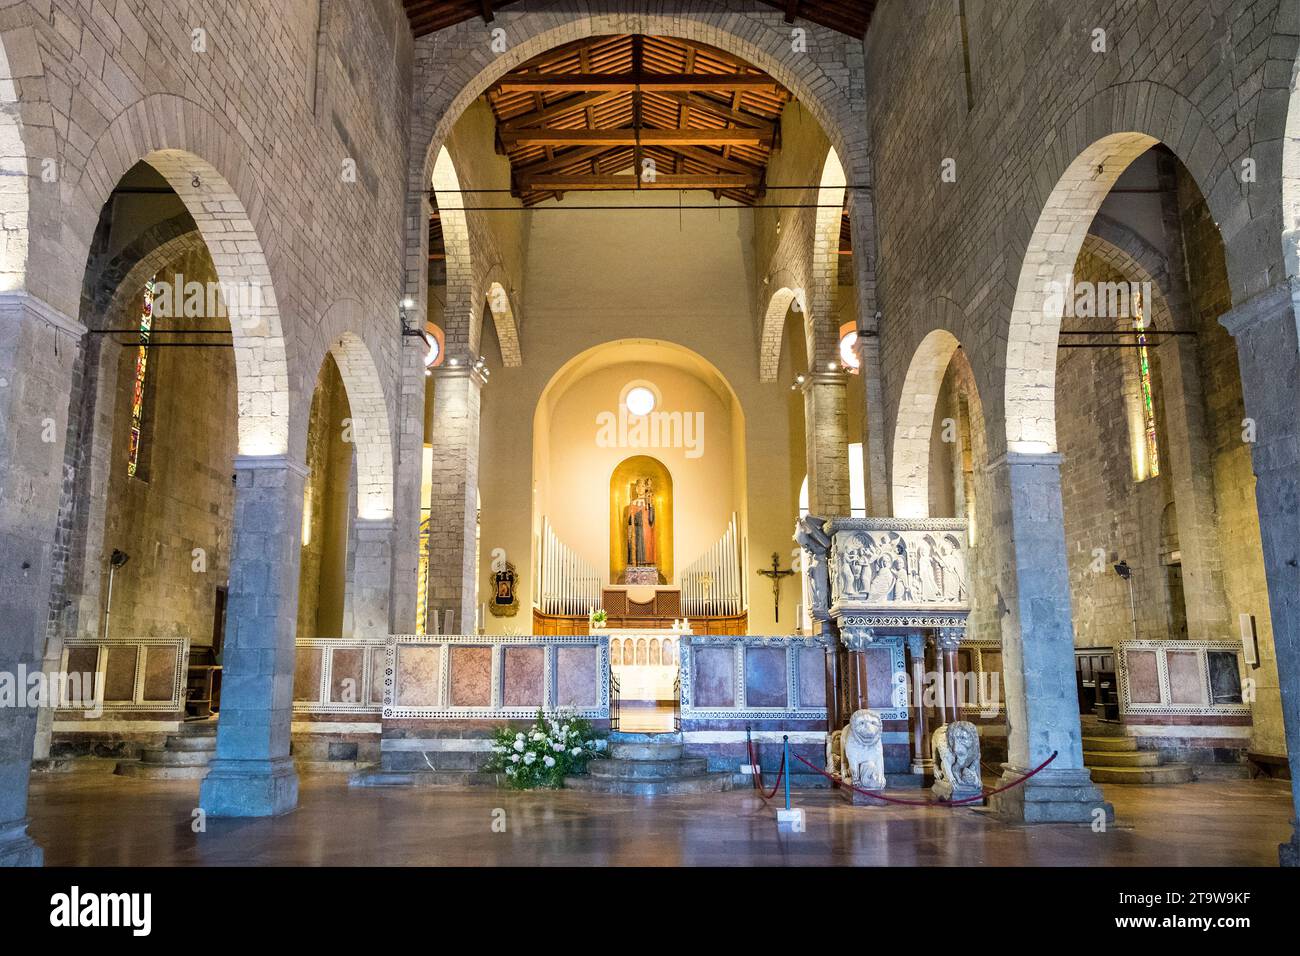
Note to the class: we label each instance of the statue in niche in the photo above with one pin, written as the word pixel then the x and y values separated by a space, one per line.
pixel 639 525
pixel 863 754
pixel 956 751
pixel 953 563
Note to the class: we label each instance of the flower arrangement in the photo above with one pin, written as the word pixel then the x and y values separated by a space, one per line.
pixel 544 754
pixel 597 617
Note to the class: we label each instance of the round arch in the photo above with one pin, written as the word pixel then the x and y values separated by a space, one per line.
pixel 1095 154
pixel 826 260
pixel 778 307
pixel 14 203
pixel 915 422
pixel 461 311
pixel 371 433
pixel 175 137
pixel 506 324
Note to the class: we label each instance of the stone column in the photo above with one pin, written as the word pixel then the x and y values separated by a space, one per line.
pixel 453 505
pixel 1033 595
pixel 826 434
pixel 874 467
pixel 1268 351
pixel 252 774
pixel 946 644
pixel 406 494
pixel 38 346
pixel 921 761
pixel 372 577
pixel 1187 457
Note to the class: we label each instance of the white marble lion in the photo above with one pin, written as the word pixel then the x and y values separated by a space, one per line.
pixel 863 759
pixel 956 751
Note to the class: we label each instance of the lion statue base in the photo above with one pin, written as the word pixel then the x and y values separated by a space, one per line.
pixel 956 751
pixel 863 754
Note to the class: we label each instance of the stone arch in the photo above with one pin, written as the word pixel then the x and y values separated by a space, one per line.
pixel 915 422
pixel 1129 254
pixel 778 307
pixel 125 274
pixel 506 323
pixel 1062 220
pixel 174 136
pixel 826 258
pixel 451 72
pixel 460 317
pixel 1291 177
pixel 371 433
pixel 14 203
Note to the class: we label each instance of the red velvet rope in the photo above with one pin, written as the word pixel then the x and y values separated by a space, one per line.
pixel 758 771
pixel 930 803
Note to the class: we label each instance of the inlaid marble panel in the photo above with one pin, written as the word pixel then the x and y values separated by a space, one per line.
pixel 812 677
pixel 306 672
pixel 346 675
pixel 1185 683
pixel 119 674
pixel 419 668
pixel 159 673
pixel 765 677
pixel 1143 678
pixel 83 662
pixel 378 658
pixel 471 676
pixel 524 681
pixel 879 665
pixel 576 676
pixel 715 677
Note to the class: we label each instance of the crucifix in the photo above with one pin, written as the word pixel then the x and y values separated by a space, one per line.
pixel 776 574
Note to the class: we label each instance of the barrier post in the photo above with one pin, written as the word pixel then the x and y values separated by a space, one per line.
pixel 790 818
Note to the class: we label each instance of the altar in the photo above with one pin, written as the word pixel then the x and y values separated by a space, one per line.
pixel 645 661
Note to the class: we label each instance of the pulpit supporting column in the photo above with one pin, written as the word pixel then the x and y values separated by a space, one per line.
pixel 921 761
pixel 946 644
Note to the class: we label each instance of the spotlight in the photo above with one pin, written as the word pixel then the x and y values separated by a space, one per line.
pixel 118 558
pixel 408 303
pixel 1123 570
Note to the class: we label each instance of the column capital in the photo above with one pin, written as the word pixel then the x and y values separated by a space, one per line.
pixel 1279 299
pixel 454 372
pixel 21 302
pixel 1012 459
pixel 824 376
pixel 271 463
pixel 374 527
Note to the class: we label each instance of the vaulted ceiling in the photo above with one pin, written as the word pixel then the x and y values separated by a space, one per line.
pixel 637 112
pixel 846 16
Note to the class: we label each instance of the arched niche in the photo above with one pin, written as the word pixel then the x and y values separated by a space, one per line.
pixel 641 517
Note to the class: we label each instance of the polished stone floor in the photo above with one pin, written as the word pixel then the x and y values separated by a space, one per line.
pixel 96 819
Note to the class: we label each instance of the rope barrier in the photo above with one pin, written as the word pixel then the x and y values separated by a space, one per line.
pixel 984 795
pixel 758 770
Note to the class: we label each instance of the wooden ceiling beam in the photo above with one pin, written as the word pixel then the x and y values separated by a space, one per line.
pixel 721 110
pixel 628 82
pixel 553 183
pixel 573 104
pixel 633 137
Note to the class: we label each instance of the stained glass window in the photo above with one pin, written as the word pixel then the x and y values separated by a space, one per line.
pixel 133 469
pixel 1148 398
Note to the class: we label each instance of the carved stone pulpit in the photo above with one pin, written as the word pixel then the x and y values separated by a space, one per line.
pixel 893 581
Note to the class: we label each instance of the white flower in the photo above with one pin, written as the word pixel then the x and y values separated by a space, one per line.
pixel 514 758
pixel 549 761
pixel 519 736
pixel 519 745
pixel 564 729
pixel 575 751
pixel 529 757
pixel 558 748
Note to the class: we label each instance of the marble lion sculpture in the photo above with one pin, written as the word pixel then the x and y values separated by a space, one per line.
pixel 863 751
pixel 956 751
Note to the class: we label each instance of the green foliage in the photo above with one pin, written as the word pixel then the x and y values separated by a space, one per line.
pixel 544 754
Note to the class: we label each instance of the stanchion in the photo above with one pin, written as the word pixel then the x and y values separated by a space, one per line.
pixel 791 818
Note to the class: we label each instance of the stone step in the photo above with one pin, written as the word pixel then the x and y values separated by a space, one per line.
pixel 1110 744
pixel 198 728
pixel 664 751
pixel 374 777
pixel 701 783
pixel 665 737
pixel 1121 758
pixel 206 743
pixel 176 758
pixel 1170 773
pixel 147 771
pixel 647 769
pixel 306 765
